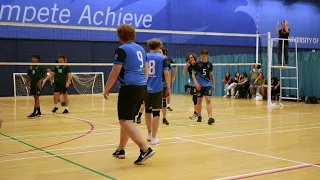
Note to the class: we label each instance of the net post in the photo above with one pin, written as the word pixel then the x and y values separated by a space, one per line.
pixel 94 81
pixel 297 69
pixel 257 48
pixel 103 83
pixel 269 68
pixel 14 85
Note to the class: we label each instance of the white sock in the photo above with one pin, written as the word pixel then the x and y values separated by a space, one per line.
pixel 56 105
pixel 168 105
pixel 67 107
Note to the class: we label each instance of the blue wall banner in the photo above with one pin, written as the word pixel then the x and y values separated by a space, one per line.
pixel 76 19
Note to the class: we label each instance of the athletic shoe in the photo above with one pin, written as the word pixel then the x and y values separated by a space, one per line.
pixel 33 115
pixel 55 109
pixel 138 120
pixel 121 154
pixel 164 121
pixel 65 111
pixel 194 116
pixel 154 141
pixel 39 114
pixel 210 121
pixel 225 96
pixel 199 119
pixel 144 156
pixel 169 109
pixel 149 137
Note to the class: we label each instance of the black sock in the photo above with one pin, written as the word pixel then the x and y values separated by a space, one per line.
pixel 195 113
pixel 34 110
pixel 140 114
pixel 39 110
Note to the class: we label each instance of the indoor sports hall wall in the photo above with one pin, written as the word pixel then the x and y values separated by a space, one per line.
pixel 80 29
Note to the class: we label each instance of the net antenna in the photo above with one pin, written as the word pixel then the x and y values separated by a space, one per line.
pixel 282 68
pixel 82 82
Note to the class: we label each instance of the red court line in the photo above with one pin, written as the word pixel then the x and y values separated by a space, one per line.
pixel 275 172
pixel 30 150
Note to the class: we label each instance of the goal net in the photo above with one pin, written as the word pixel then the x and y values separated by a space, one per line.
pixel 81 82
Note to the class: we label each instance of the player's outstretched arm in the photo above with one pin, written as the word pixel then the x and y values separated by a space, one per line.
pixel 198 87
pixel 146 70
pixel 212 80
pixel 277 28
pixel 167 79
pixel 112 78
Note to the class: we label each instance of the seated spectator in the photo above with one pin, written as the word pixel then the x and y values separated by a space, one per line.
pixel 275 87
pixel 242 85
pixel 233 85
pixel 227 80
pixel 255 70
pixel 255 89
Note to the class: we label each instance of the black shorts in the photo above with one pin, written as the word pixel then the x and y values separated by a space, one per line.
pixel 153 100
pixel 204 91
pixel 60 89
pixel 164 95
pixel 193 90
pixel 35 91
pixel 130 99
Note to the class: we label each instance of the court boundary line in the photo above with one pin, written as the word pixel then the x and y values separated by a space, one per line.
pixel 60 157
pixel 265 172
pixel 56 144
pixel 248 152
pixel 111 144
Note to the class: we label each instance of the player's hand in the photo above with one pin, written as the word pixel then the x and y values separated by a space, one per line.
pixel 167 93
pixel 67 85
pixel 198 87
pixel 40 84
pixel 286 22
pixel 25 87
pixel 213 88
pixel 106 94
pixel 173 79
pixel 188 64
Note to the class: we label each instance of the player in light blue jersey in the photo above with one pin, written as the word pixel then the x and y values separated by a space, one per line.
pixel 153 101
pixel 190 62
pixel 131 69
pixel 203 79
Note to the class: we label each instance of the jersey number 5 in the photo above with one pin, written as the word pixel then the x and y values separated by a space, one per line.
pixel 140 57
pixel 152 67
pixel 204 71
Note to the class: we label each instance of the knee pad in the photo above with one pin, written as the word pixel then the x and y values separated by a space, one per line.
pixel 195 99
pixel 156 113
pixel 149 111
pixel 164 103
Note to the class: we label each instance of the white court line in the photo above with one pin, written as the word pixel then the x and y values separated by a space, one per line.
pixel 242 135
pixel 248 152
pixel 115 144
pixel 65 136
pixel 257 173
pixel 250 130
pixel 85 152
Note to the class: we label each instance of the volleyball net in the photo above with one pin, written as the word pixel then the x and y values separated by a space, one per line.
pixel 228 52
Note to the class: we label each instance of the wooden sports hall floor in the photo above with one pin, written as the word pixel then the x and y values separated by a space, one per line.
pixel 248 141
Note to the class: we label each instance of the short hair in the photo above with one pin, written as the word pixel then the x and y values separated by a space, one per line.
pixel 204 51
pixel 192 54
pixel 164 51
pixel 62 57
pixel 154 43
pixel 126 33
pixel 36 56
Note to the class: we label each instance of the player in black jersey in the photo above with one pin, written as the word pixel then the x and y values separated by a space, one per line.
pixel 190 62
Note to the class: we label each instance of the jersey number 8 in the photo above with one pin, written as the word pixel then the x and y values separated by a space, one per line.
pixel 152 67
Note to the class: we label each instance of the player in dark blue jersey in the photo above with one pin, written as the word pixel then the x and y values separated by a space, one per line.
pixel 131 69
pixel 190 62
pixel 153 101
pixel 164 95
pixel 203 79
pixel 173 75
